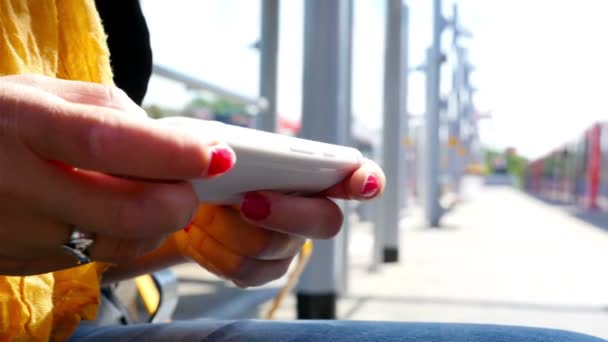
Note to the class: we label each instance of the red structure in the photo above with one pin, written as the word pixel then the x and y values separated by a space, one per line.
pixel 576 173
pixel 595 157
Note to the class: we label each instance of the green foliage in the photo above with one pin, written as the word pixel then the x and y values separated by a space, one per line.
pixel 219 106
pixel 490 157
pixel 515 165
pixel 221 109
pixel 157 112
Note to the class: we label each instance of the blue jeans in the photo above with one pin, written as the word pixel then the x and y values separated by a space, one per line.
pixel 253 330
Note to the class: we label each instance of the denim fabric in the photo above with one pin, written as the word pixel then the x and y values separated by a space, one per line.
pixel 254 330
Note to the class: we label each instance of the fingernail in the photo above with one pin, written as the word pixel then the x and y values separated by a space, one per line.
pixel 371 186
pixel 222 160
pixel 255 206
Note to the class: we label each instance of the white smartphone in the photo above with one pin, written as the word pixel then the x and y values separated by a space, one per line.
pixel 268 161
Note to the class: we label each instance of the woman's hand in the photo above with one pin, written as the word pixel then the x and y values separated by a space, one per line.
pixel 255 243
pixel 60 142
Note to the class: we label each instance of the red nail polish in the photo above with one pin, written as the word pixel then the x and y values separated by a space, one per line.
pixel 187 228
pixel 371 186
pixel 222 160
pixel 255 206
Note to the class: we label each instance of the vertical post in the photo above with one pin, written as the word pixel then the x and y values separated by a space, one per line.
pixel 346 136
pixel 393 154
pixel 455 106
pixel 403 108
pixel 594 161
pixel 432 192
pixel 325 117
pixel 269 43
pixel 454 140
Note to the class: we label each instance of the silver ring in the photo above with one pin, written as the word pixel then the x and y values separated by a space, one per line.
pixel 77 245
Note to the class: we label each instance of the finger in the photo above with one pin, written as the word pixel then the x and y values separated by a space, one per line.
pixel 226 225
pixel 107 205
pixel 120 251
pixel 31 266
pixel 309 217
pixel 80 92
pixel 103 249
pixel 31 236
pixel 366 183
pixel 106 140
pixel 17 232
pixel 211 254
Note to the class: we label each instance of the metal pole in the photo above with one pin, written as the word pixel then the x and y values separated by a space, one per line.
pixel 432 193
pixel 460 97
pixel 269 45
pixel 393 154
pixel 325 117
pixel 403 109
pixel 474 153
pixel 455 119
pixel 346 138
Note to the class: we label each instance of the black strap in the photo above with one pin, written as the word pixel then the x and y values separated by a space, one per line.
pixel 129 44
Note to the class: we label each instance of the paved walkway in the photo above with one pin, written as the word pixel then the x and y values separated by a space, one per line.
pixel 503 257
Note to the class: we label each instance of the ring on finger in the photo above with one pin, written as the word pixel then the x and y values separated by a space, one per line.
pixel 78 244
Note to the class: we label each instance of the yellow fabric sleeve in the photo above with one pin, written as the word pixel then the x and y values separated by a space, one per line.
pixel 63 39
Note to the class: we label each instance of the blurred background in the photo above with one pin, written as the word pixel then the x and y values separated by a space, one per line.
pixel 488 117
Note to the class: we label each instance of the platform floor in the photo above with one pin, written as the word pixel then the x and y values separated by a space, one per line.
pixel 501 257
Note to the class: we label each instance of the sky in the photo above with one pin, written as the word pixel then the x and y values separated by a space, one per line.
pixel 540 65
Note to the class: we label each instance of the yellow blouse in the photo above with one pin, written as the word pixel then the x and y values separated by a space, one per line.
pixel 63 39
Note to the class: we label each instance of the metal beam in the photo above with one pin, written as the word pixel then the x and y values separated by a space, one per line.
pixel 394 128
pixel 269 46
pixel 195 83
pixel 325 117
pixel 432 208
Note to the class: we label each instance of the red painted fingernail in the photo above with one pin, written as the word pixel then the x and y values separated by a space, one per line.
pixel 371 186
pixel 255 206
pixel 222 160
pixel 188 227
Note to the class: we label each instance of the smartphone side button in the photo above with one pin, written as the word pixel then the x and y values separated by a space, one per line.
pixel 301 150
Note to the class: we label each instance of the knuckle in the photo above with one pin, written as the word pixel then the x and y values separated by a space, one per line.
pixel 150 245
pixel 123 251
pixel 125 218
pixel 94 138
pixel 176 205
pixel 279 246
pixel 149 213
pixel 99 94
pixel 184 213
pixel 260 274
pixel 333 224
pixel 105 92
pixel 172 212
